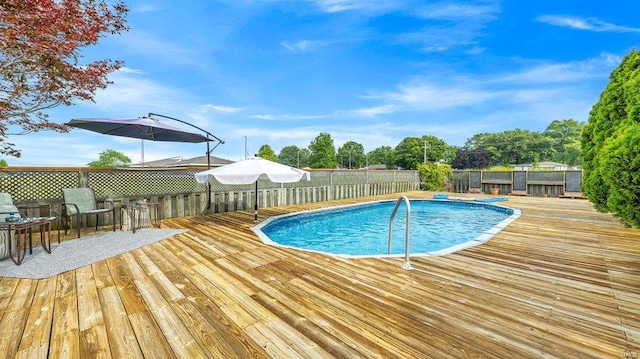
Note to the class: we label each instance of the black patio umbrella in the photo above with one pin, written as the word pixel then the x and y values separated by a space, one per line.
pixel 147 128
pixel 144 128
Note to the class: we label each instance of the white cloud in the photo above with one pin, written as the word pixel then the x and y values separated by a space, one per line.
pixel 371 135
pixel 332 6
pixel 531 96
pixel 128 70
pixel 264 117
pixel 457 11
pixel 477 50
pixel 535 86
pixel 276 135
pixel 457 25
pixel 132 94
pixel 429 96
pixel 225 109
pixel 145 7
pixel 589 24
pixel 141 42
pixel 538 93
pixel 371 111
pixel 550 73
pixel 304 45
pixel 287 117
pixel 576 71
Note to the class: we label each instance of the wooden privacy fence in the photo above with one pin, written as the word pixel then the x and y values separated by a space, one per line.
pixel 39 190
pixel 525 183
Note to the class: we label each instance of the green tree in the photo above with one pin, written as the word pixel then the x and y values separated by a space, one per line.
pixel 514 146
pixel 566 135
pixel 449 154
pixel 111 159
pixel 304 157
pixel 322 152
pixel 572 154
pixel 610 145
pixel 524 146
pixel 382 155
pixel 41 62
pixel 491 143
pixel 351 155
pixel 290 156
pixel 3 163
pixel 294 156
pixel 267 153
pixel 437 150
pixel 409 153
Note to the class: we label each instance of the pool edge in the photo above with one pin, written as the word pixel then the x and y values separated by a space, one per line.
pixel 481 239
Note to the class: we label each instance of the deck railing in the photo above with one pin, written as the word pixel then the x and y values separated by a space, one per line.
pixel 40 189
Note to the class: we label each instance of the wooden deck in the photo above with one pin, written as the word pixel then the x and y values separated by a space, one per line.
pixel 561 281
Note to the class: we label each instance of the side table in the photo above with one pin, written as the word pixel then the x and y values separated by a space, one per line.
pixel 140 214
pixel 18 232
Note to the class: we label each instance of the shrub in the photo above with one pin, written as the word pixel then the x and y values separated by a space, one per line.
pixel 435 175
pixel 624 198
pixel 611 145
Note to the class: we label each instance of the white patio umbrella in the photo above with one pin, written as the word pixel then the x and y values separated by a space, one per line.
pixel 251 170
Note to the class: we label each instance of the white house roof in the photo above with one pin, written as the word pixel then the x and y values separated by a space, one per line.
pixel 543 164
pixel 179 161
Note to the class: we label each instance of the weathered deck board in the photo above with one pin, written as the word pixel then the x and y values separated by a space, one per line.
pixel 561 281
pixel 37 333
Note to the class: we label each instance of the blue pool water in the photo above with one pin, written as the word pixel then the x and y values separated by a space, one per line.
pixel 437 227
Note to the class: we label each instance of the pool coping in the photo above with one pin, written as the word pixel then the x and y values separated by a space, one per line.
pixel 481 239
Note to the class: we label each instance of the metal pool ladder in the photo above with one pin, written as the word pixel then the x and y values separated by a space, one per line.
pixel 406 264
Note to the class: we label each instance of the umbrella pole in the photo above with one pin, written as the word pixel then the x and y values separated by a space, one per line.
pixel 255 207
pixel 208 150
pixel 209 183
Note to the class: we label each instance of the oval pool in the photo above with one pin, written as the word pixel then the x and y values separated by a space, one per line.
pixel 438 227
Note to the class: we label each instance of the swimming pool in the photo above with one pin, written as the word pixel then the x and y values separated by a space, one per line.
pixel 438 227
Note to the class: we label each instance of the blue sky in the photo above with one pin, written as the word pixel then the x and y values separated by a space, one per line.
pixel 370 71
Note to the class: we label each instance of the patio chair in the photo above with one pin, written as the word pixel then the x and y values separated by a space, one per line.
pixel 6 208
pixel 78 202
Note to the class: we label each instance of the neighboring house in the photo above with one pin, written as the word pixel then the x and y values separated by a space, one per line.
pixel 178 161
pixel 544 165
pixel 159 163
pixel 201 161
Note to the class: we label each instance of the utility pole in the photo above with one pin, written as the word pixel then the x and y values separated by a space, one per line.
pixel 425 151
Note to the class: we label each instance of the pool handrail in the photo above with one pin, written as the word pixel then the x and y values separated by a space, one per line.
pixel 406 264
